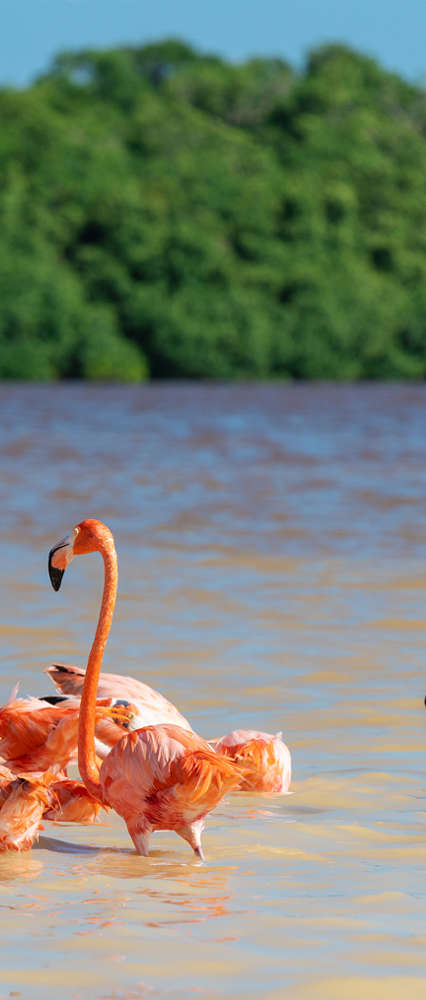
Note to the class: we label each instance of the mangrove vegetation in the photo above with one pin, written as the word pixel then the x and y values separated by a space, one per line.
pixel 165 213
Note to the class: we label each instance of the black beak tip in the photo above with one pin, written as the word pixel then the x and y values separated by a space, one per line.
pixel 55 574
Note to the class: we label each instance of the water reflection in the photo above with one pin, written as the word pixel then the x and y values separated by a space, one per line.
pixel 128 864
pixel 15 866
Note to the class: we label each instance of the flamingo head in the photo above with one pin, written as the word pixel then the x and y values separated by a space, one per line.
pixel 88 536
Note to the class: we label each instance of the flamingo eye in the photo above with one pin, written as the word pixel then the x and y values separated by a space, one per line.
pixel 75 532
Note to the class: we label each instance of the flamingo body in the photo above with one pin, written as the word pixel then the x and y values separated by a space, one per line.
pixel 264 760
pixel 165 778
pixel 22 804
pixel 72 803
pixel 35 735
pixel 6 778
pixel 152 708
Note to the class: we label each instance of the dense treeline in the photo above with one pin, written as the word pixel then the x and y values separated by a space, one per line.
pixel 170 214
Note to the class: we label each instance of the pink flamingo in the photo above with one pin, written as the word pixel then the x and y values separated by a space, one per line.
pixel 159 777
pixel 35 735
pixel 23 801
pixel 264 760
pixel 33 797
pixel 72 803
pixel 152 708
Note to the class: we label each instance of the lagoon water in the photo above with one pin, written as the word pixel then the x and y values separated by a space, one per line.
pixel 272 554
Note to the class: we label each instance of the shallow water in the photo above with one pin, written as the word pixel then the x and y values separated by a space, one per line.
pixel 272 551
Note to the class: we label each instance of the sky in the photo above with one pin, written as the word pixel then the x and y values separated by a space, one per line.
pixel 33 31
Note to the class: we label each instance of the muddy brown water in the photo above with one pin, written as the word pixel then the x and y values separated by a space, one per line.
pixel 272 554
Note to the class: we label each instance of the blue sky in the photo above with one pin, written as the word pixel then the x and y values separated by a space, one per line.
pixel 32 31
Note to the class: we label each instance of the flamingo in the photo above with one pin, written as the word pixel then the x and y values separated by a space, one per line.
pixel 264 760
pixel 152 707
pixel 6 776
pixel 72 803
pixel 161 777
pixel 40 736
pixel 264 757
pixel 67 801
pixel 23 801
pixel 35 735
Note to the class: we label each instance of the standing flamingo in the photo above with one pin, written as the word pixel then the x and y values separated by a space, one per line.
pixel 159 777
pixel 264 760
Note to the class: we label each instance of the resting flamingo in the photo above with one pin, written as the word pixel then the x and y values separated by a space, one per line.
pixel 35 735
pixel 152 707
pixel 264 760
pixel 159 777
pixel 23 801
pixel 72 803
pixel 32 796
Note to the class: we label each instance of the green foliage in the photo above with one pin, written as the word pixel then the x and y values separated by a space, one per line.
pixel 104 354
pixel 169 214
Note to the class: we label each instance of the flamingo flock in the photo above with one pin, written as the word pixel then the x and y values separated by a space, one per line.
pixel 136 753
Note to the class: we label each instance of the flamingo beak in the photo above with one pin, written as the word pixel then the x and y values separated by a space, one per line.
pixel 59 558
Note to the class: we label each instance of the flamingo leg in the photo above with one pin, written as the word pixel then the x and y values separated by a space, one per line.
pixel 140 839
pixel 192 834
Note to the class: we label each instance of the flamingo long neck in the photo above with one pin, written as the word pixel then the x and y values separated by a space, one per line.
pixel 86 729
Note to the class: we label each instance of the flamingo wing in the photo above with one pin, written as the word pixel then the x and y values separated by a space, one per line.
pixel 264 760
pixel 22 810
pixel 26 725
pixel 153 708
pixel 35 735
pixel 72 804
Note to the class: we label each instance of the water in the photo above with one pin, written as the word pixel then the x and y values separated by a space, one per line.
pixel 272 552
